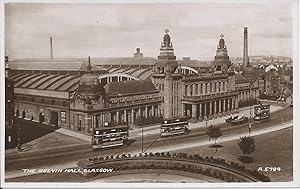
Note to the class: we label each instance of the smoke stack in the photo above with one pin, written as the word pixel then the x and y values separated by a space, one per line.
pixel 51 49
pixel 245 55
pixel 138 53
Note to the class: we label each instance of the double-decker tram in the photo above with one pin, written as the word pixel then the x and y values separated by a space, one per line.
pixel 174 126
pixel 261 112
pixel 105 137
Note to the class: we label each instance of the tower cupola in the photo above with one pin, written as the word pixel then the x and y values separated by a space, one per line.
pixel 89 85
pixel 166 60
pixel 221 62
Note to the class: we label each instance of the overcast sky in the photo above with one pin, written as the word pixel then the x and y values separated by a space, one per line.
pixel 115 30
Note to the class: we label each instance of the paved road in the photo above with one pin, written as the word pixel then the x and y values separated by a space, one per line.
pixel 197 137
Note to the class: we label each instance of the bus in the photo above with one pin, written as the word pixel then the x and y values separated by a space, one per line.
pixel 105 137
pixel 174 126
pixel 261 112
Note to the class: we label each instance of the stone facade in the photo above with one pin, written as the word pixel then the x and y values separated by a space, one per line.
pixel 78 98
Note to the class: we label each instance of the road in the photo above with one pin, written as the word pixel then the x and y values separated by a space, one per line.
pixel 197 137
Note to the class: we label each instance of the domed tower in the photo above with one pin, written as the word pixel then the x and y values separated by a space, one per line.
pixel 90 91
pixel 165 78
pixel 221 62
pixel 166 60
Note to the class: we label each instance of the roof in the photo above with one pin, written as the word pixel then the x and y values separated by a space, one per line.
pixel 52 64
pixel 67 83
pixel 124 61
pixel 138 72
pixel 240 79
pixel 130 87
pixel 194 63
pixel 252 73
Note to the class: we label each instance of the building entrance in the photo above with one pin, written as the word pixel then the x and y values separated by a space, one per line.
pixel 54 118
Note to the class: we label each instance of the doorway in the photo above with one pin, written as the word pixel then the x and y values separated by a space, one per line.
pixel 54 118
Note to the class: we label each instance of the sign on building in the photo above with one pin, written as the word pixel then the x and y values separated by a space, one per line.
pixel 63 116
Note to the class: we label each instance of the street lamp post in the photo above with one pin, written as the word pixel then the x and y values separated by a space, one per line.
pixel 18 129
pixel 250 123
pixel 142 139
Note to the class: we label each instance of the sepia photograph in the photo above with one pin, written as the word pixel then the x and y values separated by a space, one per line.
pixel 152 93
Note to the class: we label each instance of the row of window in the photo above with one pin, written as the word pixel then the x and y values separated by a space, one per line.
pixel 174 112
pixel 161 87
pixel 205 88
pixel 174 99
pixel 133 99
pixel 43 101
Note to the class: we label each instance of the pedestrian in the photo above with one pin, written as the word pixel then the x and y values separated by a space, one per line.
pixel 249 128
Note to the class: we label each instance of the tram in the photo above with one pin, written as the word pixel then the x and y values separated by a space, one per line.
pixel 105 137
pixel 174 126
pixel 261 112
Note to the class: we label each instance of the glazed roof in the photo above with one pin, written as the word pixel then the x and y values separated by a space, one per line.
pixel 52 64
pixel 67 83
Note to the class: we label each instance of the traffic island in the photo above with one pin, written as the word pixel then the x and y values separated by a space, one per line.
pixel 181 163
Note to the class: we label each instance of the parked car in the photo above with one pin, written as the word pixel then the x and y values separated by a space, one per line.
pixel 236 120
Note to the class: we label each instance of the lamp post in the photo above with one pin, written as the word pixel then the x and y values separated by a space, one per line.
pixel 250 124
pixel 18 129
pixel 142 138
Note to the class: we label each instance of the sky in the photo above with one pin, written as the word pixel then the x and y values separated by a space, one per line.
pixel 116 30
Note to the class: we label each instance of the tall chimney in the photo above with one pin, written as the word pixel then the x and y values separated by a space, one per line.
pixel 245 55
pixel 51 49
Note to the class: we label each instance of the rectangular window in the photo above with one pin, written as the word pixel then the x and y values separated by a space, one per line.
pixel 196 89
pixel 201 88
pixel 215 87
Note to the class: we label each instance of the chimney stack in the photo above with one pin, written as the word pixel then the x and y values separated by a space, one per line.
pixel 89 67
pixel 245 54
pixel 138 53
pixel 51 49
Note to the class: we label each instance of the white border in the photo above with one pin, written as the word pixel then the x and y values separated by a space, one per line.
pixel 296 130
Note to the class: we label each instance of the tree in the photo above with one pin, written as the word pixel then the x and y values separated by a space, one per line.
pixel 247 146
pixel 214 132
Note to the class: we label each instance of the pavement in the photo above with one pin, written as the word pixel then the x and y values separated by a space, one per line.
pixel 74 134
pixel 169 148
pixel 136 132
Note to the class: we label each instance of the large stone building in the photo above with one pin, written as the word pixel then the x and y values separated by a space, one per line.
pixel 200 96
pixel 81 95
pixel 73 97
